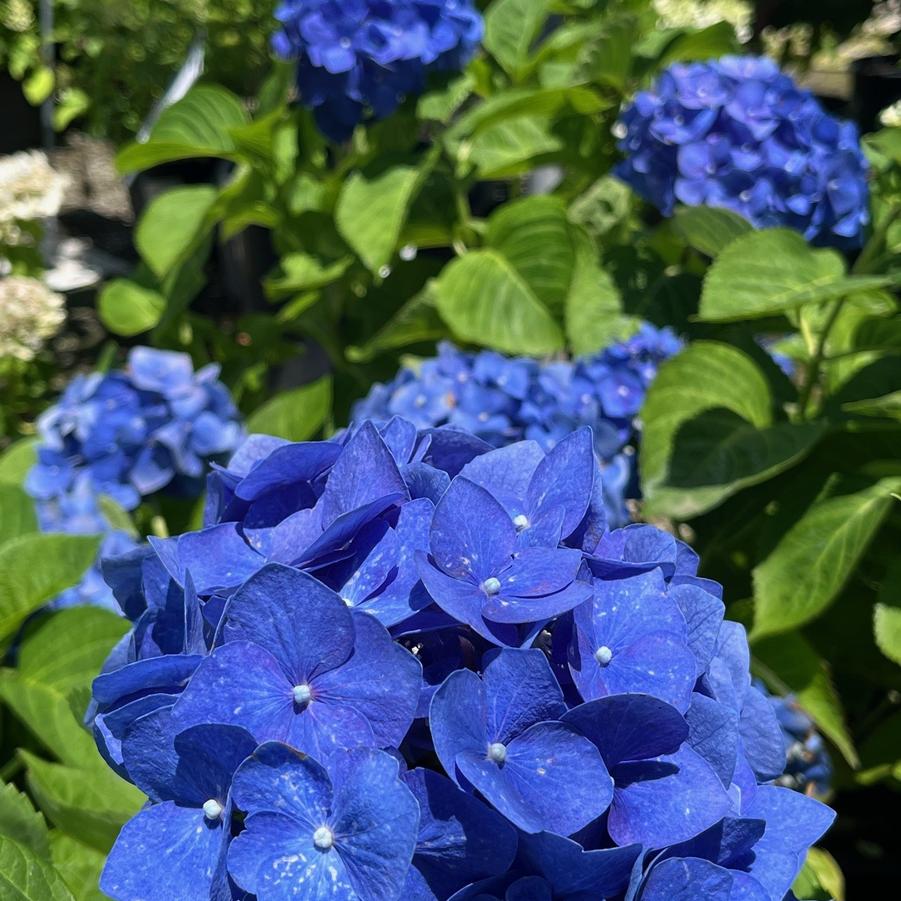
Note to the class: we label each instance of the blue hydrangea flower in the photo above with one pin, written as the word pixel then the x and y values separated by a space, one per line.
pixel 361 58
pixel 502 735
pixel 738 133
pixel 345 829
pixel 294 664
pixel 808 766
pixel 178 843
pixel 135 432
pixel 456 681
pixel 503 400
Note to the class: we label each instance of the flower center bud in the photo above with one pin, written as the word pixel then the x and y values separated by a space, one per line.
pixel 302 694
pixel 491 586
pixel 323 838
pixel 603 655
pixel 212 809
pixel 521 522
pixel 497 752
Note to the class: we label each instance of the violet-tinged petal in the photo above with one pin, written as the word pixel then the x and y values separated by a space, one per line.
pixel 550 780
pixel 300 622
pixel 665 800
pixel 629 727
pixel 458 719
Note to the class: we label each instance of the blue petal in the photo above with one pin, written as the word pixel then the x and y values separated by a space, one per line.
pixel 165 851
pixel 575 873
pixel 506 472
pixel 365 472
pixel 458 719
pixel 279 778
pixel 713 733
pixel 664 801
pixel 375 819
pixel 520 690
pixel 381 681
pixel 472 535
pixel 629 727
pixel 239 684
pixel 761 736
pixel 794 822
pixel 703 615
pixel 460 839
pixel 688 879
pixel 287 465
pixel 552 780
pixel 301 623
pixel 564 479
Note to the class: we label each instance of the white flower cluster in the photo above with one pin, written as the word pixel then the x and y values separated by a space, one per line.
pixel 703 13
pixel 30 314
pixel 30 189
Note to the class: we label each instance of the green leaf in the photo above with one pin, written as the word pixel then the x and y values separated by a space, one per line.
pixel 536 237
pixel 417 320
pixel 509 148
pixel 300 272
pixel 510 28
pixel 73 102
pixel 117 516
pixel 371 211
pixel 198 125
pixel 16 460
pixel 442 103
pixel 35 568
pixel 789 665
pixel 19 820
pixel 295 415
pixel 17 516
pixel 485 300
pixel 887 614
pixel 709 229
pixel 889 405
pixel 92 804
pixel 38 86
pixel 49 716
pixel 79 865
pixel 820 878
pixel 50 657
pixel 716 40
pixel 814 559
pixel 594 316
pixel 708 431
pixel 764 273
pixel 173 225
pixel 128 309
pixel 25 877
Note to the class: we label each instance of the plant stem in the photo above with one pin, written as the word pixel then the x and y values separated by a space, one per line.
pixel 813 370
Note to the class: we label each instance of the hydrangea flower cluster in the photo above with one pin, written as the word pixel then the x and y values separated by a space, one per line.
pixel 152 427
pixel 134 432
pixel 738 133
pixel 808 766
pixel 361 58
pixel 30 190
pixel 503 400
pixel 30 314
pixel 403 663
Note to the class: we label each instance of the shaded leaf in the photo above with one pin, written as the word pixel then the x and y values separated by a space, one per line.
pixel 709 229
pixel 16 460
pixel 17 516
pixel 809 566
pixel 20 821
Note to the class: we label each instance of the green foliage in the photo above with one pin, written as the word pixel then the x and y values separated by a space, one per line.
pixel 115 60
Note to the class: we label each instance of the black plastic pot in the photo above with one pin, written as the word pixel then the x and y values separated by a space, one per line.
pixel 877 84
pixel 21 121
